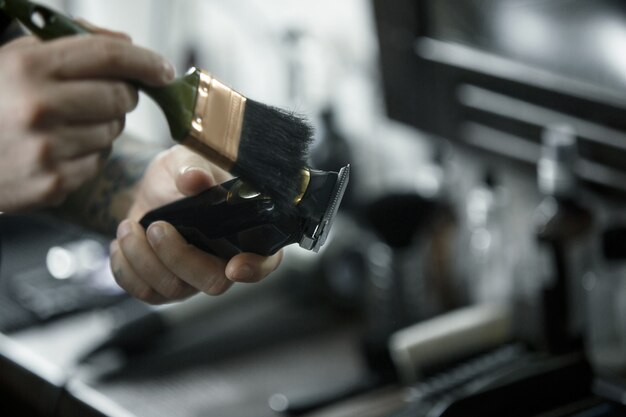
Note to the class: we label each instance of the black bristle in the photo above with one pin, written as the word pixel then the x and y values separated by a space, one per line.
pixel 273 150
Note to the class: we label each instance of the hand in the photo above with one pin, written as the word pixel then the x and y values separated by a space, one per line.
pixel 159 266
pixel 62 103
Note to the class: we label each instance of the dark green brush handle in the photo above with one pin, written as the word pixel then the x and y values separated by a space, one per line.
pixel 177 100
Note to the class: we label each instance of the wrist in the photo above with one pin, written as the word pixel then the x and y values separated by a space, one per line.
pixel 101 204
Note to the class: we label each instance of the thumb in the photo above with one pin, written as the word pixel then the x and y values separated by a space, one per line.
pixel 192 180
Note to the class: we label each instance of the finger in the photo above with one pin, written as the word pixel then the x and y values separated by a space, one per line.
pixel 180 158
pixel 194 180
pixel 128 280
pixel 21 43
pixel 85 102
pixel 72 142
pixel 146 263
pixel 193 173
pixel 201 270
pixel 71 175
pixel 102 31
pixel 250 267
pixel 100 56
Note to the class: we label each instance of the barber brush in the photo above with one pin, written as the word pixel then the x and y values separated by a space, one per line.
pixel 264 145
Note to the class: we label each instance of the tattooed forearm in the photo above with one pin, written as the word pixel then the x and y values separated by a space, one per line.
pixel 104 202
pixel 112 196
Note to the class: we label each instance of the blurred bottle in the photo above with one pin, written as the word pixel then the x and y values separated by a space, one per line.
pixel 606 292
pixel 561 226
pixel 487 259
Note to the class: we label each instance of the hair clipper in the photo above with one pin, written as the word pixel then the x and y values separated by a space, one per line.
pixel 232 217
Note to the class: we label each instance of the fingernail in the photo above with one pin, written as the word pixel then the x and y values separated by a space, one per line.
pixel 168 71
pixel 245 273
pixel 155 233
pixel 123 230
pixel 187 169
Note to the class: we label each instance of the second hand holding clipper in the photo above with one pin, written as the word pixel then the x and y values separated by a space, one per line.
pixel 233 217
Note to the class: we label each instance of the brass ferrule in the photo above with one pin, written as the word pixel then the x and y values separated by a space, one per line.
pixel 217 122
pixel 306 179
pixel 243 191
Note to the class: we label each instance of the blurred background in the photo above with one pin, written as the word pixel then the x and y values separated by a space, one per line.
pixel 478 262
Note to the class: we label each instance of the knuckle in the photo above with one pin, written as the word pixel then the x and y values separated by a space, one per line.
pixel 145 294
pixel 123 98
pixel 129 246
pixel 113 51
pixel 21 62
pixel 33 110
pixel 214 286
pixel 170 260
pixel 174 289
pixel 214 291
pixel 174 258
pixel 170 254
pixel 41 152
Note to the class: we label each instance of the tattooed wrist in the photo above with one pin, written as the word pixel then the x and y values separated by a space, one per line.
pixel 112 195
pixel 104 202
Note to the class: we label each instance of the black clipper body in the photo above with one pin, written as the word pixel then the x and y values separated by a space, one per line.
pixel 231 218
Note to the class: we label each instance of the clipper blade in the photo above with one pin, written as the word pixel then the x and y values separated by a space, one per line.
pixel 319 236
